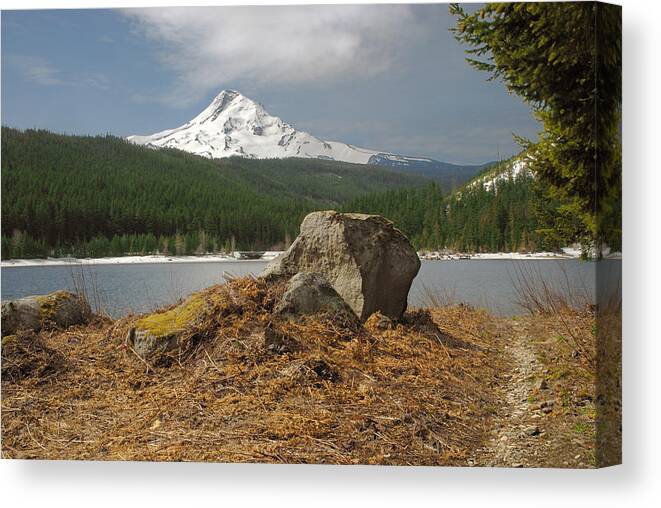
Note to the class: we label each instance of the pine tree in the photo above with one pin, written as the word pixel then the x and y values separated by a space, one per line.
pixel 564 59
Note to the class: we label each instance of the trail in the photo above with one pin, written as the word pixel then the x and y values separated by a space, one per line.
pixel 517 431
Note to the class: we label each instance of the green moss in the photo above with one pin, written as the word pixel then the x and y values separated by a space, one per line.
pixel 165 324
pixel 581 427
pixel 48 304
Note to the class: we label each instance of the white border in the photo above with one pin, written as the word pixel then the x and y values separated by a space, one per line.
pixel 636 483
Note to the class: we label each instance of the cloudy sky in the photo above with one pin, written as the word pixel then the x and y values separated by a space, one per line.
pixel 384 77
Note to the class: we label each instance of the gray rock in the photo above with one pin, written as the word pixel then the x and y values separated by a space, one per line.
pixel 369 262
pixel 147 344
pixel 311 293
pixel 160 332
pixel 533 430
pixel 59 309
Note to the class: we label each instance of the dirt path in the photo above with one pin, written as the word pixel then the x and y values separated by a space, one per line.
pixel 533 427
pixel 514 436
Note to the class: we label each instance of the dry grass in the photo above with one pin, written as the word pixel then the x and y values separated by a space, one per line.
pixel 584 354
pixel 416 392
pixel 538 296
pixel 435 297
pixel 25 355
pixel 571 309
pixel 572 384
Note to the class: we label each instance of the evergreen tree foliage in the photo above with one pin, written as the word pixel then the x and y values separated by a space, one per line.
pixel 564 59
pixel 502 218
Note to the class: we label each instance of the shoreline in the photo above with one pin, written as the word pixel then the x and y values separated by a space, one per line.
pixel 437 256
pixel 132 260
pixel 269 255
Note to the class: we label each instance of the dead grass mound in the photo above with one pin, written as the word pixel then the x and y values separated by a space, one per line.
pixel 26 356
pixel 248 386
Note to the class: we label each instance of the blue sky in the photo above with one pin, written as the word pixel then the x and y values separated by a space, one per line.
pixel 384 77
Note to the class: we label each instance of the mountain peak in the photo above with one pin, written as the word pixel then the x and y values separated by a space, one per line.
pixel 225 97
pixel 228 92
pixel 235 125
pixel 219 104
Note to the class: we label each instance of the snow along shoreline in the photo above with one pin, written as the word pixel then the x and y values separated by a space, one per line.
pixel 437 256
pixel 568 253
pixel 133 260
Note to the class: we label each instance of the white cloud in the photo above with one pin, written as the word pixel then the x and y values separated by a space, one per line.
pixel 41 72
pixel 37 70
pixel 94 80
pixel 208 47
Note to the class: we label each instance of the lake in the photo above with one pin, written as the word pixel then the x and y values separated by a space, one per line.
pixel 124 288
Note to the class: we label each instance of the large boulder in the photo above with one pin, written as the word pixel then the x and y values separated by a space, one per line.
pixel 368 261
pixel 60 309
pixel 311 293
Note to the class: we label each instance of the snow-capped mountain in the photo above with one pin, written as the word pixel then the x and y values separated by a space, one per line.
pixel 236 125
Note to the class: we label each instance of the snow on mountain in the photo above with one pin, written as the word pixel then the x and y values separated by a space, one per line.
pixel 512 170
pixel 236 125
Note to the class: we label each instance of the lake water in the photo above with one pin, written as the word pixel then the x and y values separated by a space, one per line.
pixel 143 287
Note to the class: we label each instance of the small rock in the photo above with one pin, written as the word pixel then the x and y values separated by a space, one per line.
pixel 159 333
pixel 543 385
pixel 311 293
pixel 533 430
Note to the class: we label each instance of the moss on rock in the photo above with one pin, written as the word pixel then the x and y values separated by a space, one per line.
pixel 160 332
pixel 175 320
pixel 60 309
pixel 49 304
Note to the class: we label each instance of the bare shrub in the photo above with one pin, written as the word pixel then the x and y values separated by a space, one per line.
pixel 434 296
pixel 86 286
pixel 570 304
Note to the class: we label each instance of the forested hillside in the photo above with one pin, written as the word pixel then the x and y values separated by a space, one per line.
pixel 477 218
pixel 94 196
pixel 100 196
